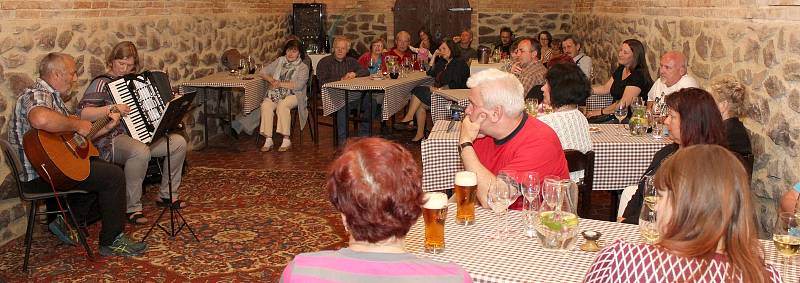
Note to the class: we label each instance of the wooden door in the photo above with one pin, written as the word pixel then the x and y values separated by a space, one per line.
pixel 443 18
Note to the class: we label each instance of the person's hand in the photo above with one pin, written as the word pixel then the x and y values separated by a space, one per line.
pixel 123 109
pixel 515 68
pixel 348 76
pixel 457 39
pixel 114 121
pixel 592 113
pixel 83 127
pixel 470 130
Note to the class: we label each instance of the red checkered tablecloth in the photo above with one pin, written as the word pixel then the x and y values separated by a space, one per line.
pixel 441 100
pixel 254 89
pixel 522 259
pixel 620 160
pixel 397 92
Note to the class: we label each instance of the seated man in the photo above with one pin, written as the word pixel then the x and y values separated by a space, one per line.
pixel 400 50
pixel 506 40
pixel 336 67
pixel 496 134
pixel 525 65
pixel 672 77
pixel 572 47
pixel 464 41
pixel 41 106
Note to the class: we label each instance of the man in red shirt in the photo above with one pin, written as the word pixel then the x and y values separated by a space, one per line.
pixel 400 50
pixel 498 135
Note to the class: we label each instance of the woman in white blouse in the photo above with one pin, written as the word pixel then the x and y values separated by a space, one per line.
pixel 565 87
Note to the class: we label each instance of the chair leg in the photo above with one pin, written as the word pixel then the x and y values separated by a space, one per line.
pixel 29 234
pixel 585 202
pixel 81 235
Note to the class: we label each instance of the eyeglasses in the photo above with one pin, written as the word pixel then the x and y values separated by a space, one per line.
pixel 521 51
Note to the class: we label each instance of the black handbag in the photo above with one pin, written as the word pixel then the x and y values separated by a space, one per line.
pixel 603 119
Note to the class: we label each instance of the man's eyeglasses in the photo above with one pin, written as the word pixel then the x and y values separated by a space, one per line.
pixel 521 51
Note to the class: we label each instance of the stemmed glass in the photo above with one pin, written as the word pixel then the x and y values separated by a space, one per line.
pixel 242 66
pixel 530 190
pixel 372 63
pixel 501 194
pixel 621 112
pixel 786 237
pixel 647 218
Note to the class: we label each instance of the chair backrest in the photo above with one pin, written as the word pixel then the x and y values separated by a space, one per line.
pixel 577 161
pixel 12 160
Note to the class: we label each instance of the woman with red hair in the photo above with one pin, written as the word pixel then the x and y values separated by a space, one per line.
pixel 376 186
pixel 706 224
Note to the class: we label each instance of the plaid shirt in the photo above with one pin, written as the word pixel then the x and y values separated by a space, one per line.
pixel 98 95
pixel 40 94
pixel 531 75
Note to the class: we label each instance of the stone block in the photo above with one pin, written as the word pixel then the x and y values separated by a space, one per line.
pixel 791 71
pixel 46 38
pixel 18 82
pixel 769 54
pixel 793 100
pixel 774 86
pixel 96 67
pixel 784 135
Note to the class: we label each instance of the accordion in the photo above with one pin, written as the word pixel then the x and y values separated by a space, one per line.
pixel 145 94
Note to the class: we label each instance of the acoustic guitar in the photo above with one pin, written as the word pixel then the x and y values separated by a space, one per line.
pixel 62 159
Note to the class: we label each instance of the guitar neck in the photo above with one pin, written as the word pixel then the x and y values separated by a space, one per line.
pixel 101 123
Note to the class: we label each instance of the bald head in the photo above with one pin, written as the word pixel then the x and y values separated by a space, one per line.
pixel 402 40
pixel 673 67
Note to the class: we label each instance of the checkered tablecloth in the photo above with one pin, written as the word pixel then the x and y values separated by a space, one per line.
pixel 441 100
pixel 522 259
pixel 620 160
pixel 440 160
pixel 254 89
pixel 396 92
pixel 595 102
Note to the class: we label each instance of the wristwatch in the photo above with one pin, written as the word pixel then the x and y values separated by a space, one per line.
pixel 462 146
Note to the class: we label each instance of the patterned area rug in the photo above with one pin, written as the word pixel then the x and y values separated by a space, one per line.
pixel 250 224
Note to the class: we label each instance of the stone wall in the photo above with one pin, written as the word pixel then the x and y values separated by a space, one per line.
pixel 763 54
pixel 361 28
pixel 522 24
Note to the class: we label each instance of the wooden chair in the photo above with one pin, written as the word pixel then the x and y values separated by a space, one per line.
pixel 577 161
pixel 13 162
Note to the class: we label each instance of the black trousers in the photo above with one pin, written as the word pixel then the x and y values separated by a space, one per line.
pixel 106 183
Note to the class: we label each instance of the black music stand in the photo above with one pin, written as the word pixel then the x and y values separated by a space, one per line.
pixel 173 115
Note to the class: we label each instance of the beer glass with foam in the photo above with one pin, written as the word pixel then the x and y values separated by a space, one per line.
pixel 466 185
pixel 434 212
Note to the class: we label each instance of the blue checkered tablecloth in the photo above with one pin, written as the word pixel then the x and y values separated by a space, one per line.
pixel 397 92
pixel 522 259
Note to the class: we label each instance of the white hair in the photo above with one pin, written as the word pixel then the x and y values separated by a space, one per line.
pixel 499 88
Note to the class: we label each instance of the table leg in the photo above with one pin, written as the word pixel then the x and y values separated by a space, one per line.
pixel 370 105
pixel 346 115
pixel 205 117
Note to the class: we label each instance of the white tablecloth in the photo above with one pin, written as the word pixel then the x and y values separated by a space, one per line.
pixel 522 259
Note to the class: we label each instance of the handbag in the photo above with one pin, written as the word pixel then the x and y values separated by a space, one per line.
pixel 603 119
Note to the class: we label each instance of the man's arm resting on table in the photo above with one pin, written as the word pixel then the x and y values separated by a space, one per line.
pixel 473 164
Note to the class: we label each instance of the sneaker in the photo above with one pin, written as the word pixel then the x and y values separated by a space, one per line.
pixel 123 246
pixel 67 236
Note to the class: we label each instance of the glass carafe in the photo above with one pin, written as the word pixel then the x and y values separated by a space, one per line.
pixel 638 123
pixel 558 218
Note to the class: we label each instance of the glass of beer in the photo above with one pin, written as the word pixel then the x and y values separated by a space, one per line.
pixel 465 188
pixel 434 212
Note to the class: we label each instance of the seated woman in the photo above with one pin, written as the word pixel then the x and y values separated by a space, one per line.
pixel 566 86
pixel 692 118
pixel 448 72
pixel 546 41
pixel 707 225
pixel 287 77
pixel 729 94
pixel 372 60
pixel 789 200
pixel 375 184
pixel 630 80
pixel 423 47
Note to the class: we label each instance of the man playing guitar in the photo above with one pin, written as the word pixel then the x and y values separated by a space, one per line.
pixel 42 107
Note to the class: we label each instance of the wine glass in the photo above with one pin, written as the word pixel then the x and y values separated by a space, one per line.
pixel 530 191
pixel 242 66
pixel 552 192
pixel 498 199
pixel 786 237
pixel 373 69
pixel 648 227
pixel 621 112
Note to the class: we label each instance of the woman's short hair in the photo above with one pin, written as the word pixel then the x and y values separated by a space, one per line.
pixel 729 89
pixel 375 41
pixel 568 85
pixel 639 58
pixel 709 195
pixel 122 50
pixel 701 122
pixel 376 185
pixel 455 50
pixel 294 44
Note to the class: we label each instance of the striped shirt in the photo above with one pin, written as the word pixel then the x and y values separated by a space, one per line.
pixel 346 265
pixel 99 95
pixel 40 94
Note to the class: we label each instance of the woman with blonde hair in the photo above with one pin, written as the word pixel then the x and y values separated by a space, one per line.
pixel 729 94
pixel 706 223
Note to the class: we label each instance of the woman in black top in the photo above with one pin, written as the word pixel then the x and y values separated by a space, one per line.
pixel 729 94
pixel 629 80
pixel 692 118
pixel 448 72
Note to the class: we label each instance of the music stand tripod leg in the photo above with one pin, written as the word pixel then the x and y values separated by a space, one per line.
pixel 173 211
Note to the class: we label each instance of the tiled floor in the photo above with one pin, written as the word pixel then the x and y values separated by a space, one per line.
pixel 226 152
